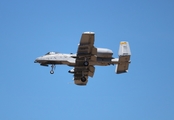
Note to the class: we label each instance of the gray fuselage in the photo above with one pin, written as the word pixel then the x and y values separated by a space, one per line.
pixel 103 58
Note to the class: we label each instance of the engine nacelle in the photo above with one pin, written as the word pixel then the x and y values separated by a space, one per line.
pixel 71 71
pixel 104 53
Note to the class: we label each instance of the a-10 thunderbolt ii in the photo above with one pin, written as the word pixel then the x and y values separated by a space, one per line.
pixel 87 57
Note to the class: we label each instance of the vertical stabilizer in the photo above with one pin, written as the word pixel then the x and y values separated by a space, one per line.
pixel 124 49
pixel 124 57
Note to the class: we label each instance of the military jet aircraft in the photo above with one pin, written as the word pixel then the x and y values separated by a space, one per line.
pixel 87 57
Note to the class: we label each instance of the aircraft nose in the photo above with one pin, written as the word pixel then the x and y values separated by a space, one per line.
pixel 37 60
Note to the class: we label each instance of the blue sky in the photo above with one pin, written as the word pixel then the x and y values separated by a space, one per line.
pixel 29 29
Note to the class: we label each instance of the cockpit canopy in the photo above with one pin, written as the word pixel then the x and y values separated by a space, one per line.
pixel 51 53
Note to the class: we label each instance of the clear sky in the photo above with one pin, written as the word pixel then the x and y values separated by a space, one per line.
pixel 29 29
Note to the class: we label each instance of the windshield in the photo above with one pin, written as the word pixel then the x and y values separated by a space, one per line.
pixel 51 53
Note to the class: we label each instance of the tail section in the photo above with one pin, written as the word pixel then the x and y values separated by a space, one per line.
pixel 124 58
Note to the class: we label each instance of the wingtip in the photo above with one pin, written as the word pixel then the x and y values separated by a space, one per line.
pixel 88 32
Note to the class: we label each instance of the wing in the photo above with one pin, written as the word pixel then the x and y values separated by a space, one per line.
pixel 81 74
pixel 86 55
pixel 86 47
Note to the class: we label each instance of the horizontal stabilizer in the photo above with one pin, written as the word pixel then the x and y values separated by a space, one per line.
pixel 124 58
